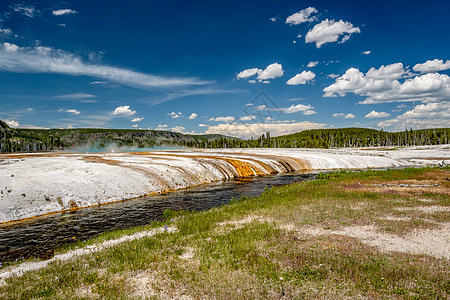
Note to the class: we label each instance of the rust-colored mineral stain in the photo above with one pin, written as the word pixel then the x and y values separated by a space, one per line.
pixel 243 168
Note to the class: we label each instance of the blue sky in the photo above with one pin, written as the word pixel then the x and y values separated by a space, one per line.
pixel 238 68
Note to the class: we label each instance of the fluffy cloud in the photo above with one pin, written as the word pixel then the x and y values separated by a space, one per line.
pixel 223 119
pixel 161 127
pixel 272 71
pixel 389 72
pixel 248 73
pixel 301 78
pixel 312 64
pixel 376 115
pixel 303 16
pixel 306 109
pixel 366 52
pixel 175 115
pixel 135 120
pixel 332 75
pixel 375 81
pixel 123 111
pixel 392 83
pixel 431 87
pixel 193 116
pixel 178 129
pixel 73 111
pixel 49 60
pixel 345 116
pixel 61 12
pixel 12 123
pixel 10 47
pixel 329 31
pixel 247 118
pixel 28 11
pixel 432 66
pixel 423 115
pixel 5 31
pixel 202 125
pixel 134 125
pixel 256 129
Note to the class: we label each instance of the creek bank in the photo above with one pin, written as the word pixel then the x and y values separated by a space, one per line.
pixel 39 184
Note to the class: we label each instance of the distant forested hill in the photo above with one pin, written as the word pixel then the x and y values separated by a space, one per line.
pixel 343 137
pixel 363 137
pixel 33 140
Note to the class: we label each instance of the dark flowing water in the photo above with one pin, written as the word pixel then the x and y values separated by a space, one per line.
pixel 40 236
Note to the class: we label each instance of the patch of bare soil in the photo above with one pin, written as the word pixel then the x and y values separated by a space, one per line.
pixel 434 182
pixel 148 284
pixel 434 242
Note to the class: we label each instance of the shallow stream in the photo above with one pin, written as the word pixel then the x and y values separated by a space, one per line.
pixel 39 237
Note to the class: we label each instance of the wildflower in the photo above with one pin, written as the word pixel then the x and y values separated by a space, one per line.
pixel 166 227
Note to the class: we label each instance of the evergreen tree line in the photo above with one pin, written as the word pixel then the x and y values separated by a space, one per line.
pixel 334 138
pixel 21 140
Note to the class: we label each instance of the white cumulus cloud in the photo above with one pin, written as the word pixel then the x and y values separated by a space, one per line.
pixel 421 116
pixel 223 119
pixel 161 127
pixel 312 64
pixel 5 31
pixel 248 73
pixel 29 11
pixel 61 12
pixel 193 116
pixel 123 111
pixel 366 52
pixel 375 115
pixel 305 108
pixel 329 31
pixel 178 129
pixel 73 111
pixel 303 16
pixel 135 120
pixel 202 125
pixel 432 66
pixel 390 72
pixel 10 47
pixel 345 116
pixel 256 129
pixel 12 123
pixel 175 115
pixel 301 78
pixel 247 118
pixel 431 87
pixel 272 71
pixel 375 81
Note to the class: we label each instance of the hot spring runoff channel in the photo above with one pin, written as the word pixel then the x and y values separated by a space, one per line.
pixel 39 237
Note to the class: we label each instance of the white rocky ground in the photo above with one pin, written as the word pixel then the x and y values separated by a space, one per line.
pixel 37 184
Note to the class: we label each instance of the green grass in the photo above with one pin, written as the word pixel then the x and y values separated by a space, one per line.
pixel 256 248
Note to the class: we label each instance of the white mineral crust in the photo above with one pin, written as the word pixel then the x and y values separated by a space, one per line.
pixel 37 184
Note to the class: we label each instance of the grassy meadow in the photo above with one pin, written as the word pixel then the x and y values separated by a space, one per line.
pixel 328 238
